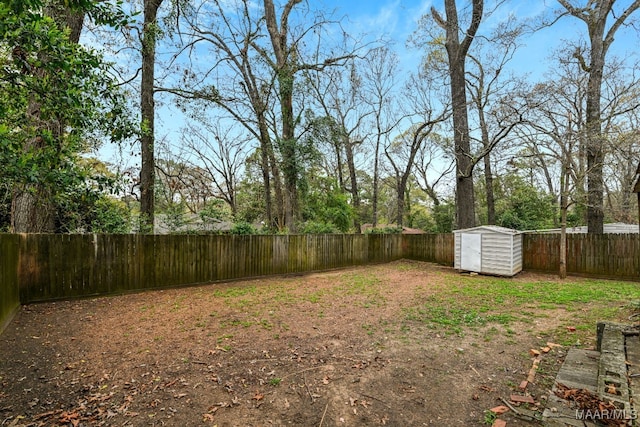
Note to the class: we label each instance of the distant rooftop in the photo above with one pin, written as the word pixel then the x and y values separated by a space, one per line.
pixel 614 228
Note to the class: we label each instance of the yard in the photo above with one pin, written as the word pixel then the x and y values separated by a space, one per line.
pixel 400 344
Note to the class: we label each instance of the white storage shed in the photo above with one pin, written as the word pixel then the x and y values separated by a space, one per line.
pixel 488 249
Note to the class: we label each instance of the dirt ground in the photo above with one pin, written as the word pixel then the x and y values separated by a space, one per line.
pixel 326 349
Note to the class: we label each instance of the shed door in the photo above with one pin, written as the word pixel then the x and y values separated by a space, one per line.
pixel 471 252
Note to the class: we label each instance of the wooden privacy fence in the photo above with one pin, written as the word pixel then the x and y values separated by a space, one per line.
pixel 9 295
pixel 611 256
pixel 65 266
pixel 40 267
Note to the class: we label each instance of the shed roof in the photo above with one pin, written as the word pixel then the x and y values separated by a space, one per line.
pixel 490 228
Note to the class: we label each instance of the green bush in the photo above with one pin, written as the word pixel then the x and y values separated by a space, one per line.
pixel 243 228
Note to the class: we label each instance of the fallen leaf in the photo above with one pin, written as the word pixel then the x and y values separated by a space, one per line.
pixel 325 380
pixel 258 396
pixel 207 417
pixel 352 401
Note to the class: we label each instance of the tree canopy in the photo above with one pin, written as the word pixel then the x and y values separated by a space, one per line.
pixel 280 117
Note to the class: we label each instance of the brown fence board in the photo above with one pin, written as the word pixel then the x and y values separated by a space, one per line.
pixel 9 281
pixel 53 267
pixel 615 256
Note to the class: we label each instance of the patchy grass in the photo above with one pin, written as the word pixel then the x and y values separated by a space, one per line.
pixel 404 343
pixel 475 301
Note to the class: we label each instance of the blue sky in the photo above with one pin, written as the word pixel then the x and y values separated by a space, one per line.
pixel 396 20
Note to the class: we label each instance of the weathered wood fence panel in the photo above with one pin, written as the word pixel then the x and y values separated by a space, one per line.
pixel 438 248
pixel 67 266
pixel 47 267
pixel 9 285
pixel 614 256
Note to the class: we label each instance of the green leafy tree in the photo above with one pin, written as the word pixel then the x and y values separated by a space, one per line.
pixel 521 205
pixel 326 203
pixel 55 97
pixel 243 228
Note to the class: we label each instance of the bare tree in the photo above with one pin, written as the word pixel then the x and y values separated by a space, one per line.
pixel 490 90
pixel 219 156
pixel 603 20
pixel 379 84
pixel 339 94
pixel 255 82
pixel 434 161
pixel 560 103
pixel 457 55
pixel 402 152
pixel 284 59
pixel 233 80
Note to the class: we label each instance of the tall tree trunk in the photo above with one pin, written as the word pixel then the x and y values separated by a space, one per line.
pixel 66 18
pixel 595 143
pixel 355 194
pixel 266 176
pixel 400 187
pixel 456 55
pixel 465 198
pixel 488 173
pixel 147 113
pixel 564 206
pixel 376 178
pixel 32 207
pixel 601 34
pixel 289 150
pixel 277 188
pixel 488 182
pixel 285 75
